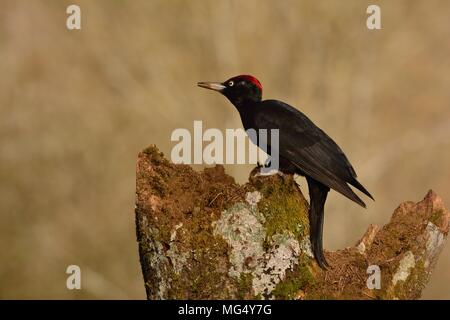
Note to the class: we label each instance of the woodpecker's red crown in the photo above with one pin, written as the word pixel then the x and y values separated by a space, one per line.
pixel 246 77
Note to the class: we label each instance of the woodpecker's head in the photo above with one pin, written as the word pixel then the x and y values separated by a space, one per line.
pixel 240 90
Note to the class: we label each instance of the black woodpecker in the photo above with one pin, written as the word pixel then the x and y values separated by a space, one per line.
pixel 303 149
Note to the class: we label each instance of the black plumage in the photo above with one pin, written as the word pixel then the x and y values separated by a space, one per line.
pixel 303 149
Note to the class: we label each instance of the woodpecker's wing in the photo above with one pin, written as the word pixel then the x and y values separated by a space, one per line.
pixel 308 147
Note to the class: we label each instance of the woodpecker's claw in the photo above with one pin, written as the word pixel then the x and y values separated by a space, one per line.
pixel 263 170
pixel 263 173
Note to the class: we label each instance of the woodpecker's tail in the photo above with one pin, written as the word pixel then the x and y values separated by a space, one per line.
pixel 318 195
pixel 361 188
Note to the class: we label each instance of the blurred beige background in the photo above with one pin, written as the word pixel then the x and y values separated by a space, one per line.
pixel 77 106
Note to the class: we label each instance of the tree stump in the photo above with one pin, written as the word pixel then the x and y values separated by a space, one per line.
pixel 202 236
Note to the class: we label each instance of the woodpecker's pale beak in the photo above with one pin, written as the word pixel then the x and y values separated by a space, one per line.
pixel 216 86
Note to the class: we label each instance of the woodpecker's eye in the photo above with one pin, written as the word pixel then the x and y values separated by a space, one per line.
pixel 230 83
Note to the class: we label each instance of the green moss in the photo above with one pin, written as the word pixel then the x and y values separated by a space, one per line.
pixel 156 155
pixel 244 286
pixel 436 217
pixel 295 280
pixel 408 289
pixel 284 209
pixel 413 285
pixel 286 212
pixel 201 279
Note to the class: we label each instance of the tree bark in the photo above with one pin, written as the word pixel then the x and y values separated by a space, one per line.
pixel 202 236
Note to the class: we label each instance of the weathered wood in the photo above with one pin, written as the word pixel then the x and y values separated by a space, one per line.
pixel 202 236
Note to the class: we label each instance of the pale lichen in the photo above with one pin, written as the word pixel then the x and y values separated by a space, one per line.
pixel 244 228
pixel 253 198
pixel 282 256
pixel 177 259
pixel 434 243
pixel 156 259
pixel 404 268
pixel 305 247
pixel 158 262
pixel 173 235
pixel 361 248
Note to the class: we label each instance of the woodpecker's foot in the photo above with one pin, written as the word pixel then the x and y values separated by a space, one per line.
pixel 264 172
